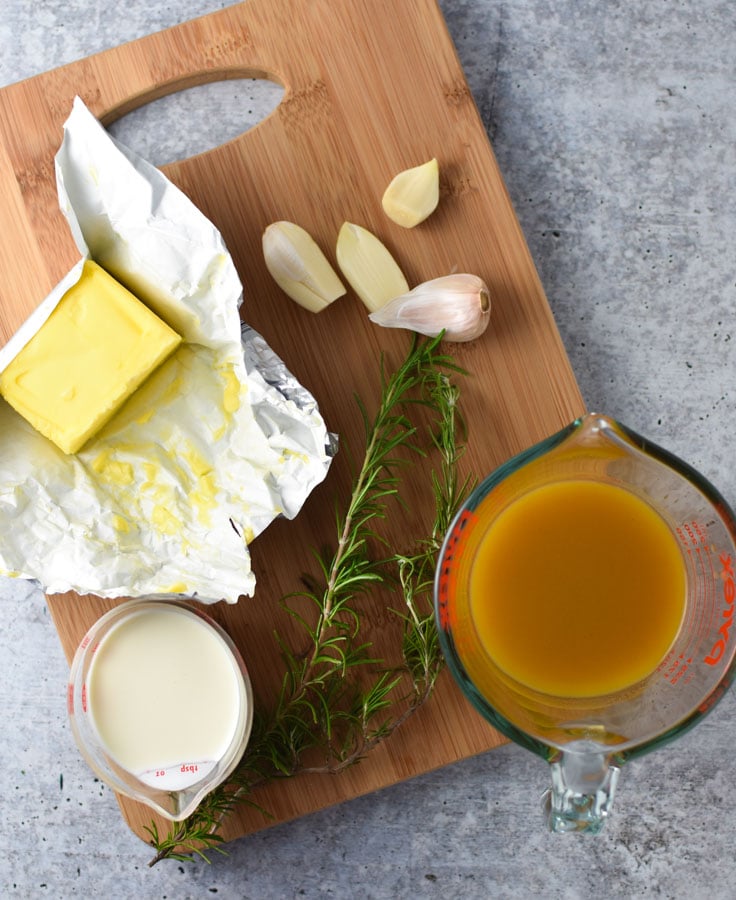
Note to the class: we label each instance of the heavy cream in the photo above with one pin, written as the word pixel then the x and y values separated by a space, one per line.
pixel 165 694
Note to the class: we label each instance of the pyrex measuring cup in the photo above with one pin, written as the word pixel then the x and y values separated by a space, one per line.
pixel 160 703
pixel 587 734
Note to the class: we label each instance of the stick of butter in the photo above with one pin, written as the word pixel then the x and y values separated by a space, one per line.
pixel 96 348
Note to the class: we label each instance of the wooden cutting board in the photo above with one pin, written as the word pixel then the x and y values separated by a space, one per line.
pixel 371 87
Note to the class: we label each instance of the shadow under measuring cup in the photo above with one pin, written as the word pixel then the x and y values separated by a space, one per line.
pixel 584 598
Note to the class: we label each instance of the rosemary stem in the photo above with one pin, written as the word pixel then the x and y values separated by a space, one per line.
pixel 342 543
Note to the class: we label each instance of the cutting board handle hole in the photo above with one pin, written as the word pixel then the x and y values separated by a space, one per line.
pixel 195 119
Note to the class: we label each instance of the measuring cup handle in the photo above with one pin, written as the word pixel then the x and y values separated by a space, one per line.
pixel 581 796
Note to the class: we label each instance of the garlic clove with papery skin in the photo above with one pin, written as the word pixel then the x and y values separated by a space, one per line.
pixel 459 305
pixel 299 267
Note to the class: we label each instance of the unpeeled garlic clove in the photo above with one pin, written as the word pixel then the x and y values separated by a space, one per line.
pixel 299 267
pixel 413 194
pixel 459 305
pixel 370 269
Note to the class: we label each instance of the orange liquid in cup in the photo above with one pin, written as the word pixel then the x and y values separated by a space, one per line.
pixel 578 589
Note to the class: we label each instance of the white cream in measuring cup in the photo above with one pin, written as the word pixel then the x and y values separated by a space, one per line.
pixel 160 703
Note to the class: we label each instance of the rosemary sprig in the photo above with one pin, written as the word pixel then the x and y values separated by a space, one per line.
pixel 337 701
pixel 420 647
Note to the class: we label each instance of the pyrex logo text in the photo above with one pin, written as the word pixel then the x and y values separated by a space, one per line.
pixel 729 593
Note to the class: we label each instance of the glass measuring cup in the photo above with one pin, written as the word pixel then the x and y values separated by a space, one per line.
pixel 173 785
pixel 587 736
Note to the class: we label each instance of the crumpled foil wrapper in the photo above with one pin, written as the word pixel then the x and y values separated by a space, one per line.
pixel 218 442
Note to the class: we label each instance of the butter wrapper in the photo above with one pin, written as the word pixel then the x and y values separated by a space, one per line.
pixel 218 442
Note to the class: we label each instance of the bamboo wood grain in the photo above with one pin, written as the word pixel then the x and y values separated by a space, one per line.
pixel 371 87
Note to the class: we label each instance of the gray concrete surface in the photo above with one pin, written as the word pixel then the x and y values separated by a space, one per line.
pixel 614 126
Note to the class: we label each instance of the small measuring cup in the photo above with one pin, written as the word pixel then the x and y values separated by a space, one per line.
pixel 586 739
pixel 176 786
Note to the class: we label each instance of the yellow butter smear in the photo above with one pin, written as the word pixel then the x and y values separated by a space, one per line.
pixel 183 485
pixel 114 471
pixel 231 398
pixel 94 351
pixel 120 524
pixel 162 502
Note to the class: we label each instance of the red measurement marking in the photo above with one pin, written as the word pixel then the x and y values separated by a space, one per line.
pixel 674 668
pixel 84 696
pixel 697 530
pixel 729 593
pixel 70 699
pixel 684 665
pixel 447 582
pixel 711 701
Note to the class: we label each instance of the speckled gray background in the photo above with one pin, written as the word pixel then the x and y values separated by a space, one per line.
pixel 614 126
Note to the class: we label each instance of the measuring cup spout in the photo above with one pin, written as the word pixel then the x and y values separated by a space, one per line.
pixel 179 805
pixel 583 785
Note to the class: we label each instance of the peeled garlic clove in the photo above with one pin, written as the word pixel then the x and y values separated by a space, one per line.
pixel 299 267
pixel 413 194
pixel 459 305
pixel 370 269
